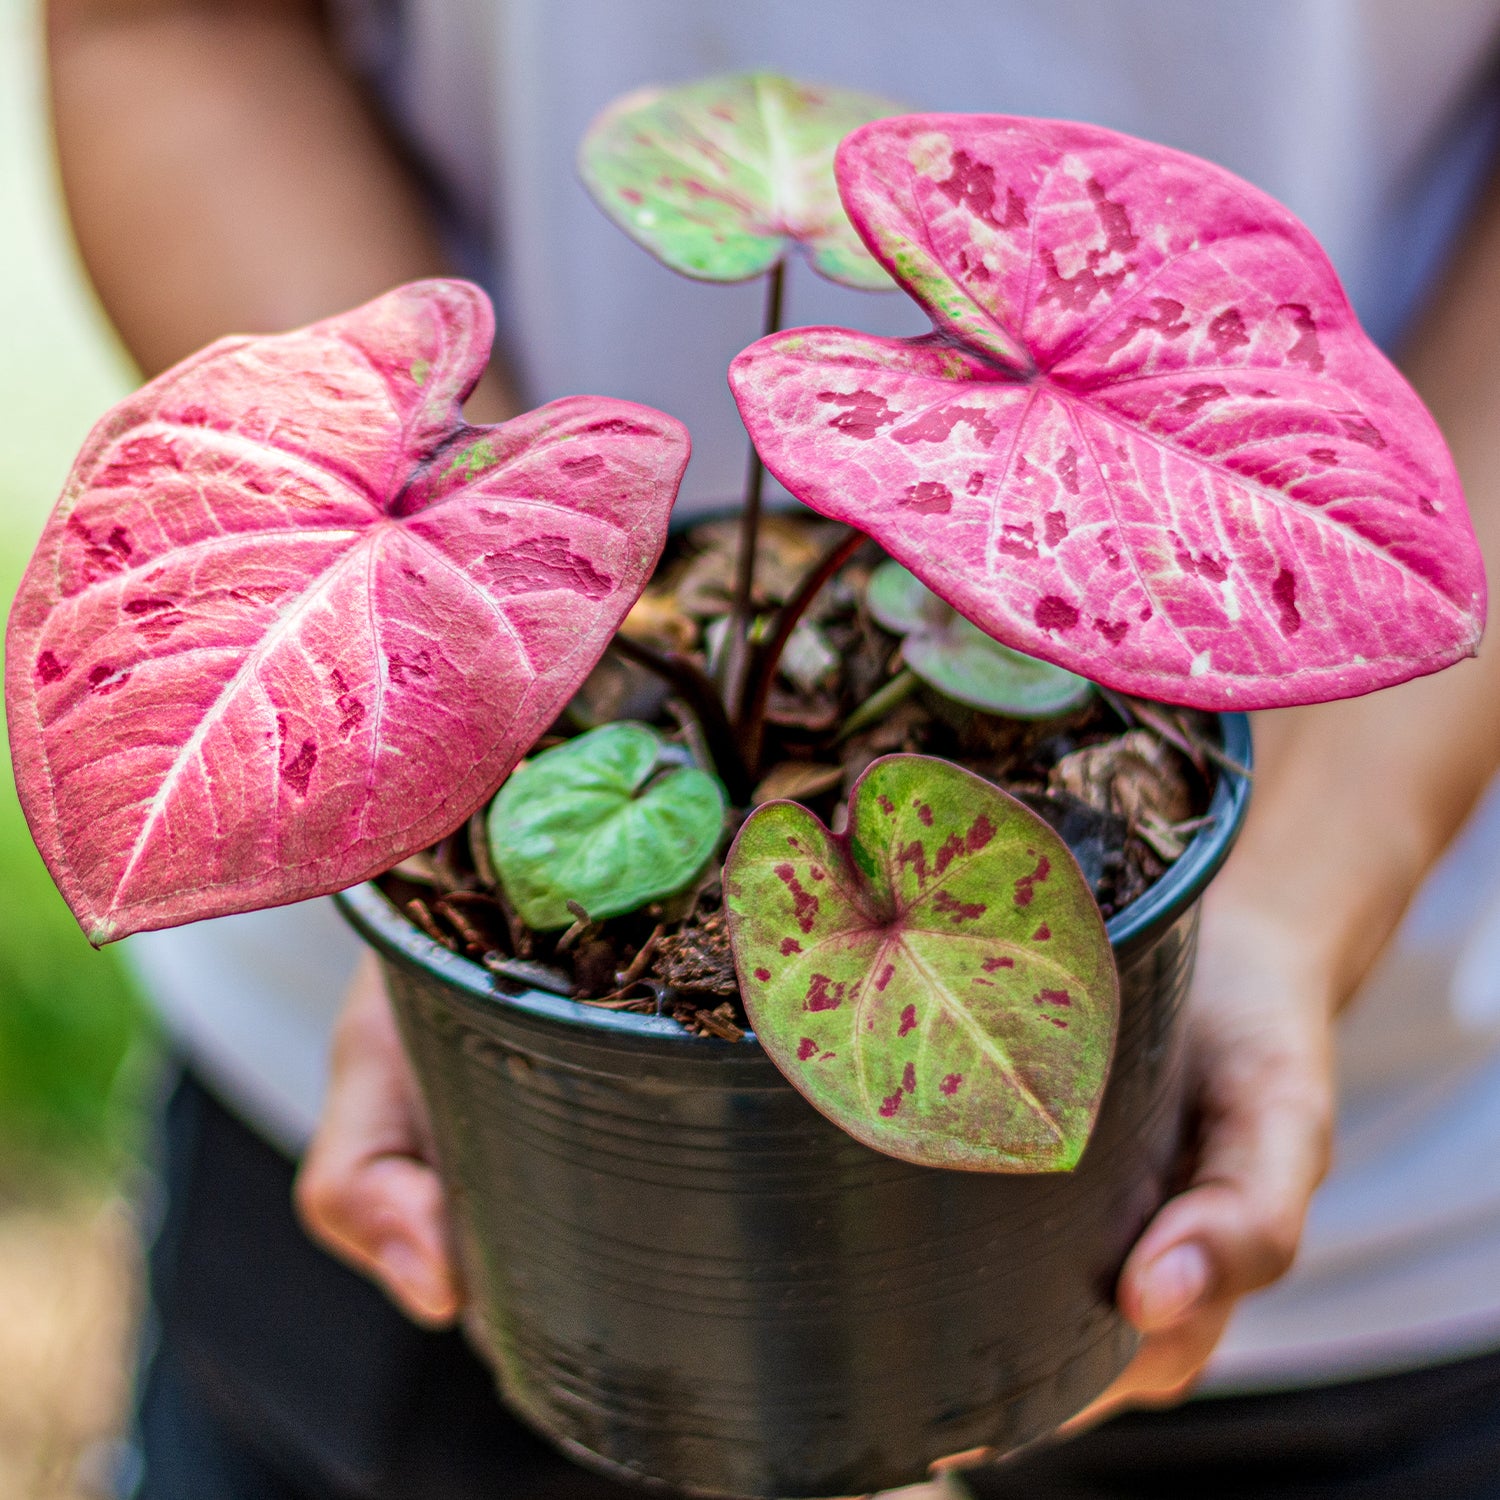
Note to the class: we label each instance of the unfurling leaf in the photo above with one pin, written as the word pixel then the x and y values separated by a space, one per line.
pixel 717 178
pixel 592 823
pixel 938 980
pixel 960 660
pixel 292 620
pixel 1147 440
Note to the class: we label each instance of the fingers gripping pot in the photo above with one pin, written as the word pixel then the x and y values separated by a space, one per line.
pixel 684 1274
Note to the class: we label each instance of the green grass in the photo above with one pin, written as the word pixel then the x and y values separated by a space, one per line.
pixel 73 1038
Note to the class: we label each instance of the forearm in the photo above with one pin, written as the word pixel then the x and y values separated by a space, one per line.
pixel 1356 799
pixel 221 172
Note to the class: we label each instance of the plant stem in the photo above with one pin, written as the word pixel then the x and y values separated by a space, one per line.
pixel 752 719
pixel 699 693
pixel 735 652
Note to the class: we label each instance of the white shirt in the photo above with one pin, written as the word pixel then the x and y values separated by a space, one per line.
pixel 1367 117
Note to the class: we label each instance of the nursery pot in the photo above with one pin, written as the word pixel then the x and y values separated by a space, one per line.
pixel 683 1274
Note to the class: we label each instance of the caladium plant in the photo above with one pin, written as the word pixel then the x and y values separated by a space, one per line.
pixel 293 619
pixel 1146 440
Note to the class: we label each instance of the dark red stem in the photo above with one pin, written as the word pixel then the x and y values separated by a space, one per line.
pixel 733 673
pixel 752 720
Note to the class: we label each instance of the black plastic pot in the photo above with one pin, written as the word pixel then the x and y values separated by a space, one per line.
pixel 683 1274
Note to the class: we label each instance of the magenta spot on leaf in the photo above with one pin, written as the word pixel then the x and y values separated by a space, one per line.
pixel 883 978
pixel 1284 592
pixel 49 669
pixel 545 562
pixel 1042 934
pixel 929 498
pixel 952 847
pixel 890 1104
pixel 806 1048
pixel 763 974
pixel 1196 397
pixel 1053 613
pixel 866 413
pixel 136 459
pixel 936 426
pixel 804 903
pixel 1057 527
pixel 148 606
pixel 909 1079
pixel 956 910
pixel 951 1083
pixel 1168 324
pixel 1426 506
pixel 1016 539
pixel 1307 350
pixel 578 468
pixel 824 993
pixel 915 855
pixel 632 197
pixel 1361 430
pixel 981 832
pixel 1114 631
pixel 924 812
pixel 886 805
pixel 1054 997
pixel 790 946
pixel 297 772
pixel 989 984
pixel 399 667
pixel 998 961
pixel 975 482
pixel 1323 455
pixel 1026 884
pixel 1056 1021
pixel 1115 222
pixel 1227 331
pixel 971 185
pixel 619 427
pixel 908 1021
pixel 1067 469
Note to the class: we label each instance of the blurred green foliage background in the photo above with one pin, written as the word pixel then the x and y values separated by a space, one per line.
pixel 74 1043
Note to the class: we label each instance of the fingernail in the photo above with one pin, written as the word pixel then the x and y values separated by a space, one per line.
pixel 1172 1284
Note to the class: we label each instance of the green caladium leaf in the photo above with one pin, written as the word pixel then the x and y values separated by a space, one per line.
pixel 592 822
pixel 938 980
pixel 960 660
pixel 716 178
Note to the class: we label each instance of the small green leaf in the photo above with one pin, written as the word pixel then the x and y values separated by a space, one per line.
pixel 957 658
pixel 716 177
pixel 937 981
pixel 586 822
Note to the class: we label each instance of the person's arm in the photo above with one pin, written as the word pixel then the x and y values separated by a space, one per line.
pixel 223 175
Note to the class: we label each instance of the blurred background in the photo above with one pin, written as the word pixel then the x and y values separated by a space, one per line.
pixel 76 1053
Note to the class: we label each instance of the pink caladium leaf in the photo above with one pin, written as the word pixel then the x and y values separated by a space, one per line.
pixel 938 980
pixel 1147 439
pixel 292 619
pixel 717 178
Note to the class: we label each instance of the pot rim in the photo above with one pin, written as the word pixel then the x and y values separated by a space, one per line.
pixel 370 912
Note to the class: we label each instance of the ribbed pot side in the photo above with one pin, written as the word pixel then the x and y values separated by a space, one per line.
pixel 684 1274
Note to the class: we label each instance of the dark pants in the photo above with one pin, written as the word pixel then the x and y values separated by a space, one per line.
pixel 276 1374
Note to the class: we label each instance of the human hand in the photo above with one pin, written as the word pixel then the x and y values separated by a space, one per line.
pixel 367 1190
pixel 1260 1080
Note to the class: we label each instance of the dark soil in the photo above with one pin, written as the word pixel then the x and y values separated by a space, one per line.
pixel 1124 783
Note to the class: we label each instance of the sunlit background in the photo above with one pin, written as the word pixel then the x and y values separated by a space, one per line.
pixel 75 1052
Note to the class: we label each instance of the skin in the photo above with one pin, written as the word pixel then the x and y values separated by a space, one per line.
pixel 223 175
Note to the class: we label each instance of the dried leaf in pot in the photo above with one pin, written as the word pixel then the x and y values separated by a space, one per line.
pixel 1137 777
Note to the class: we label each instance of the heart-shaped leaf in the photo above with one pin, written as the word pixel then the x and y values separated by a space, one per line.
pixel 292 620
pixel 591 822
pixel 1147 441
pixel 716 178
pixel 960 660
pixel 937 981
